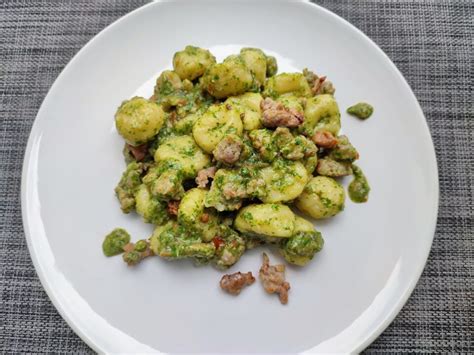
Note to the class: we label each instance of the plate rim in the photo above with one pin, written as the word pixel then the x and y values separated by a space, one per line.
pixel 33 135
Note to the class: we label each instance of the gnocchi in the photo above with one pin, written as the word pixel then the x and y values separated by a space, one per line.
pixel 229 78
pixel 248 106
pixel 217 122
pixel 222 154
pixel 139 120
pixel 284 181
pixel 323 197
pixel 294 83
pixel 321 114
pixel 183 150
pixel 192 62
pixel 266 219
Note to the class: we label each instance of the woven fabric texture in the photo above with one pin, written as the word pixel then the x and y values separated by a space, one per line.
pixel 431 42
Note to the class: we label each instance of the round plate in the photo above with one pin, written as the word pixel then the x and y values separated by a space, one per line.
pixel 374 252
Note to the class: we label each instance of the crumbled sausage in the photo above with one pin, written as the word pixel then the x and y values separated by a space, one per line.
pixel 173 207
pixel 344 150
pixel 139 152
pixel 310 76
pixel 275 114
pixel 228 150
pixel 324 139
pixel 204 218
pixel 291 147
pixel 333 168
pixel 230 191
pixel 326 87
pixel 173 117
pixel 136 252
pixel 233 283
pixel 319 85
pixel 273 279
pixel 128 247
pixel 204 175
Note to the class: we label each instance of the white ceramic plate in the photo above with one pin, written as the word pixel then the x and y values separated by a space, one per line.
pixel 374 252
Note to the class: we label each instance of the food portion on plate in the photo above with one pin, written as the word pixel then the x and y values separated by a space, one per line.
pixel 222 154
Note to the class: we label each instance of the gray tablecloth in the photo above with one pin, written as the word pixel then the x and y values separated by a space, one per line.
pixel 430 41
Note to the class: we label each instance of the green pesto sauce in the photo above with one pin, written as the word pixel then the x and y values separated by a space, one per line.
pixel 115 241
pixel 359 187
pixel 184 101
pixel 361 110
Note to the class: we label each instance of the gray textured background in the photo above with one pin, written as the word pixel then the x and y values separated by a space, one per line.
pixel 430 42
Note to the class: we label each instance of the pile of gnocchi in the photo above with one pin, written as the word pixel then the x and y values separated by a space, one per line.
pixel 221 156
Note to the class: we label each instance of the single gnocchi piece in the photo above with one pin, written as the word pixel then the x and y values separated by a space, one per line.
pixel 321 198
pixel 192 62
pixel 321 114
pixel 151 209
pixel 256 61
pixel 167 83
pixel 191 213
pixel 229 78
pixel 248 106
pixel 191 206
pixel 139 120
pixel 284 83
pixel 303 225
pixel 284 180
pixel 217 122
pixel 185 151
pixel 267 220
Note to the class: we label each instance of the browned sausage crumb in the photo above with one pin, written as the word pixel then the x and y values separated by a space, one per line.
pixel 234 283
pixel 231 191
pixel 173 117
pixel 326 87
pixel 203 176
pixel 277 115
pixel 228 150
pixel 324 139
pixel 128 247
pixel 204 218
pixel 173 207
pixel 138 152
pixel 319 85
pixel 136 252
pixel 330 167
pixel 273 279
